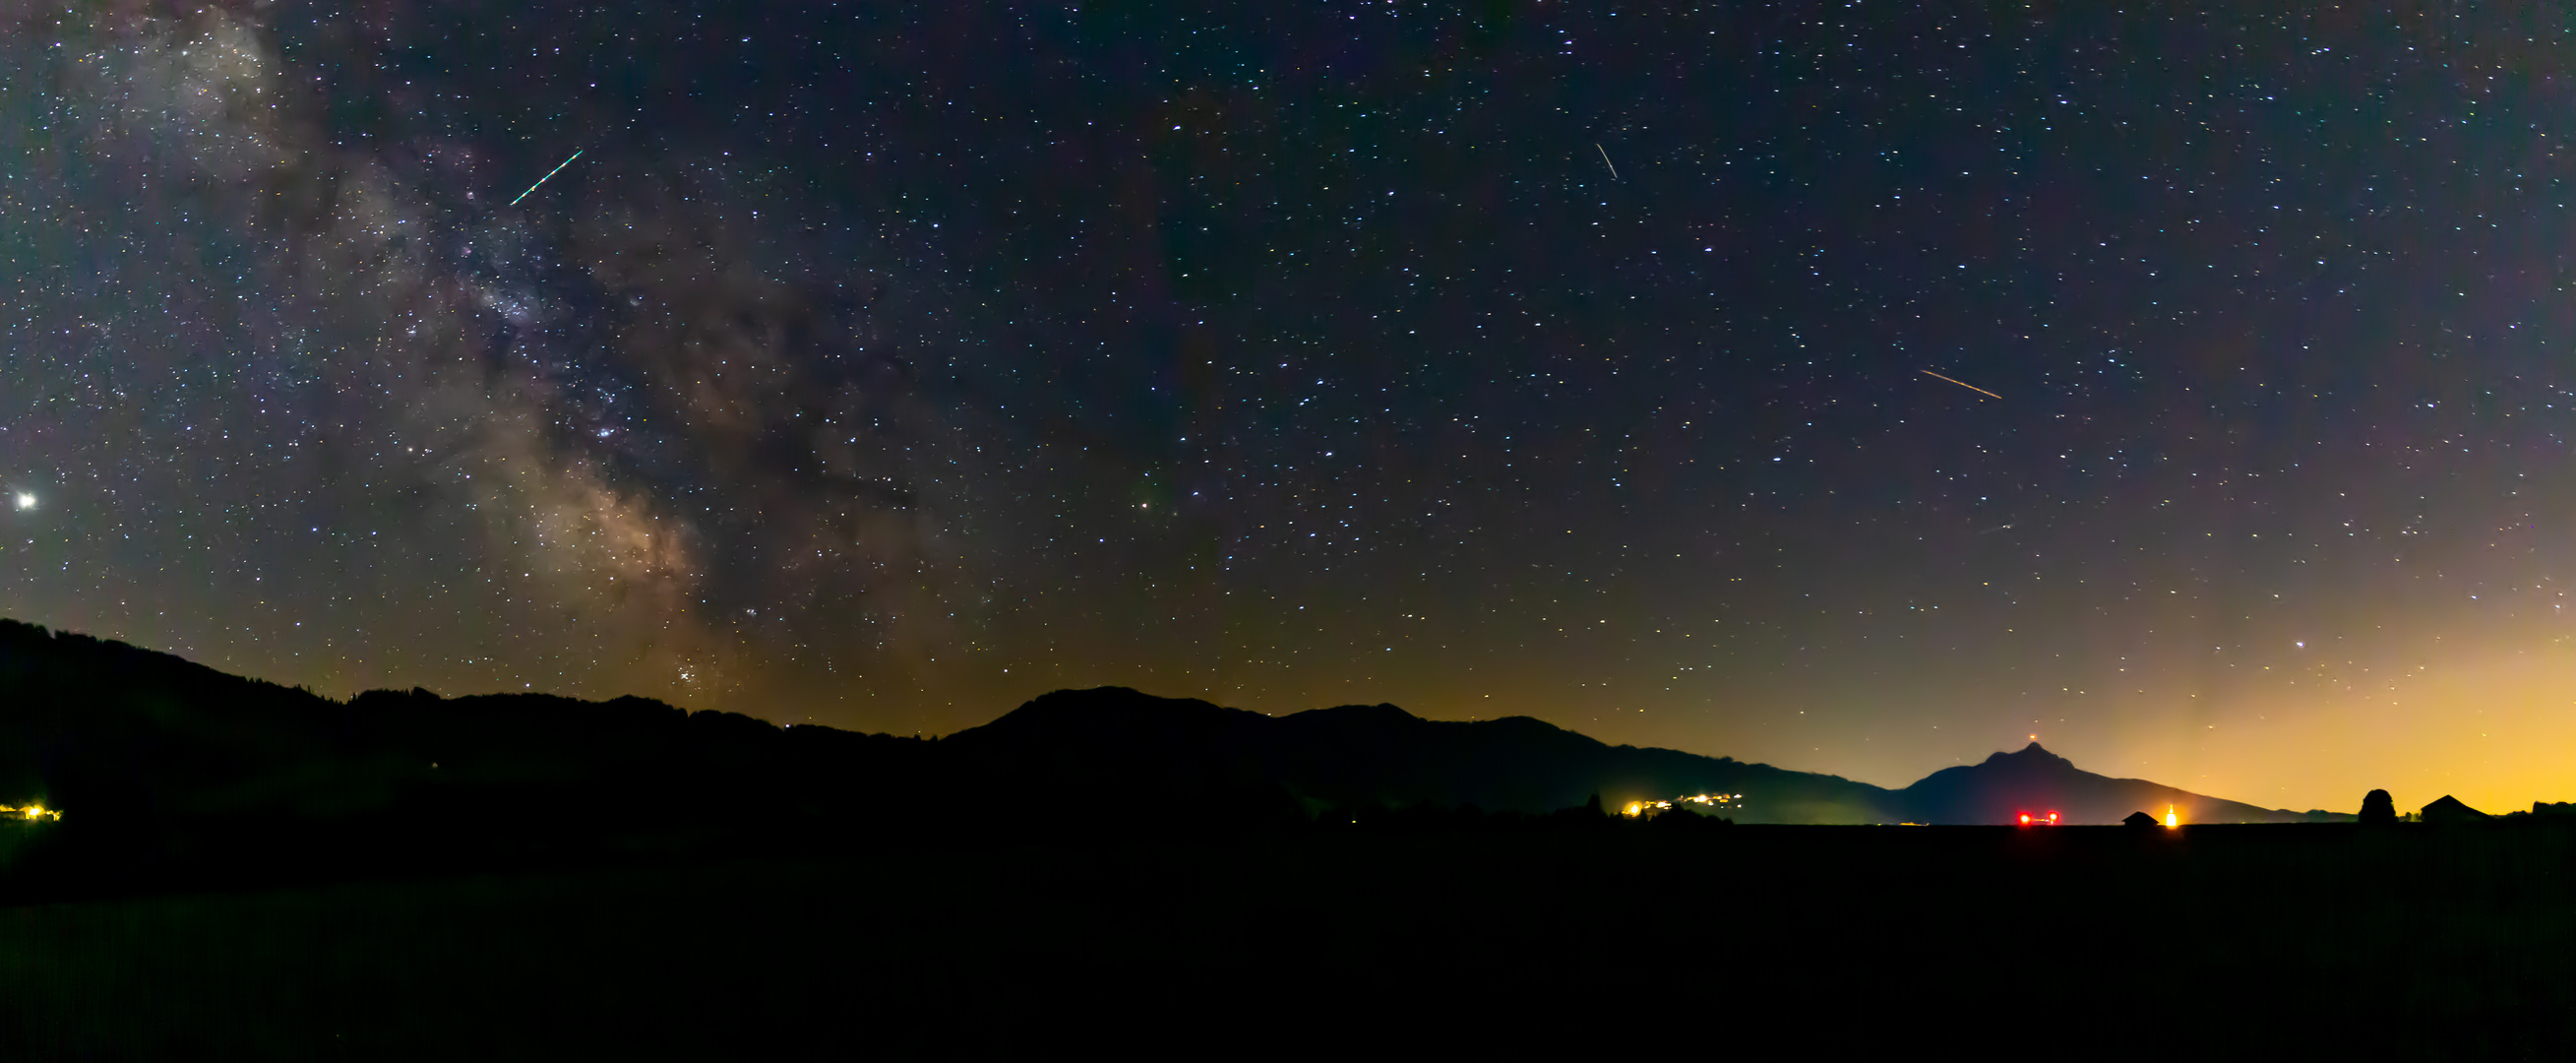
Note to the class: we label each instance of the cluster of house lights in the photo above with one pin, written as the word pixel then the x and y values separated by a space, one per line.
pixel 31 812
pixel 1639 808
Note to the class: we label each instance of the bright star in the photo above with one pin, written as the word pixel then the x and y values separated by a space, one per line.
pixel 26 500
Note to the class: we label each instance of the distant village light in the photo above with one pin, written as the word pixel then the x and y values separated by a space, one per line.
pixel 2170 821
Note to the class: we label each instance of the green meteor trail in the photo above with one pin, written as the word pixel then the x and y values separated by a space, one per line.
pixel 550 175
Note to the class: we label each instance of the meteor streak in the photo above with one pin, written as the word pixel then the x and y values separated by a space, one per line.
pixel 1964 384
pixel 1605 161
pixel 550 175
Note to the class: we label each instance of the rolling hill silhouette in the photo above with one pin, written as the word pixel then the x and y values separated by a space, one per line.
pixel 166 768
pixel 1113 739
pixel 160 763
pixel 1116 738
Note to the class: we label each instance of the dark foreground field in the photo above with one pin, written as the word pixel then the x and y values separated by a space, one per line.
pixel 2211 942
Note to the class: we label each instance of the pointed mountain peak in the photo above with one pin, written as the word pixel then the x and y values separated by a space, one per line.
pixel 2032 755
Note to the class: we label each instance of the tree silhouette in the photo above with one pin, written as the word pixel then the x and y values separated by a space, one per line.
pixel 2377 808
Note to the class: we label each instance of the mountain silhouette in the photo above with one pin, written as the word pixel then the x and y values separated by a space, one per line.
pixel 1113 739
pixel 2037 781
pixel 1117 738
pixel 160 763
pixel 163 767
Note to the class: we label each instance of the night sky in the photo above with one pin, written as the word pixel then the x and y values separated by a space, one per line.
pixel 884 365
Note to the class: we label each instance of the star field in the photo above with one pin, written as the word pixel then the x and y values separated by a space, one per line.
pixel 886 365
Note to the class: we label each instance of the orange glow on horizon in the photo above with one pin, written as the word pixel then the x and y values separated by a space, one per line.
pixel 2488 726
pixel 2482 713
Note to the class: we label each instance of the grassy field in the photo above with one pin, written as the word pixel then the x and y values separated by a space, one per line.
pixel 2210 942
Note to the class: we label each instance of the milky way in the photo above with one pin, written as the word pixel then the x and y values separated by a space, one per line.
pixel 350 417
pixel 886 365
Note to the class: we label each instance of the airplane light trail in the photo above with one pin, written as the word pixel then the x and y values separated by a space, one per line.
pixel 1962 383
pixel 550 175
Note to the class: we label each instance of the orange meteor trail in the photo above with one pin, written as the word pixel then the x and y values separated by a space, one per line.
pixel 1962 383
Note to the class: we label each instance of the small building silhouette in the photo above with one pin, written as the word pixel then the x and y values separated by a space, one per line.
pixel 2139 819
pixel 2448 809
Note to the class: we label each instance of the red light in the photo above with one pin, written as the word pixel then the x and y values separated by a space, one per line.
pixel 2025 819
